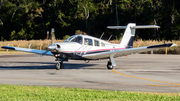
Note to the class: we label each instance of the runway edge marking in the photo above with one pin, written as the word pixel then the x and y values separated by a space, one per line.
pixel 145 78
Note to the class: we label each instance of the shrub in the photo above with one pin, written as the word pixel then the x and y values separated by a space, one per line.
pixel 66 37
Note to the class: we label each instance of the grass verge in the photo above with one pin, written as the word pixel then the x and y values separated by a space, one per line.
pixel 30 93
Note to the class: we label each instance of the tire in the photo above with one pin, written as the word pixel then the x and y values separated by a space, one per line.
pixel 109 65
pixel 58 66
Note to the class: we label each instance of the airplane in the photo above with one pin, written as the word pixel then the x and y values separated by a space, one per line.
pixel 85 47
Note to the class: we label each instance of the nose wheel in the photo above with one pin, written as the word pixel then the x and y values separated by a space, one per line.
pixel 109 65
pixel 59 65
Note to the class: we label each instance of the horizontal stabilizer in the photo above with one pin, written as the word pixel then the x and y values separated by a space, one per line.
pixel 145 26
pixel 133 27
pixel 116 27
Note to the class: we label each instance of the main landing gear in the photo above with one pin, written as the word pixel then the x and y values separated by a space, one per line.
pixel 59 65
pixel 109 65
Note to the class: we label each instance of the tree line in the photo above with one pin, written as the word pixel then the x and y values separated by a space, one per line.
pixel 33 19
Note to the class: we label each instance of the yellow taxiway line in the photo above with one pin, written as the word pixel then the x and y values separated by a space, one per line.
pixel 146 79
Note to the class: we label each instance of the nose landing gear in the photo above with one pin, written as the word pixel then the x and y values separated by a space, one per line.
pixel 59 65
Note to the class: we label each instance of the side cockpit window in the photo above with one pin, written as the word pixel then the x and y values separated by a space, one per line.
pixel 96 43
pixel 88 41
pixel 77 39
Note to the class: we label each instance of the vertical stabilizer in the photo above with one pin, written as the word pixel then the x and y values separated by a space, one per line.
pixel 128 37
pixel 129 34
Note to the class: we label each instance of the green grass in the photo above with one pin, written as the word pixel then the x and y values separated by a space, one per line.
pixel 36 93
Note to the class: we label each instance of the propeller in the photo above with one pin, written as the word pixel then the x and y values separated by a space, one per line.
pixel 51 47
pixel 45 52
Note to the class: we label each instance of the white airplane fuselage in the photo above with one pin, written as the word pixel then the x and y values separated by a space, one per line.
pixel 88 45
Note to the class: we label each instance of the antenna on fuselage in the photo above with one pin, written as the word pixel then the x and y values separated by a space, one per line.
pixel 102 35
pixel 109 37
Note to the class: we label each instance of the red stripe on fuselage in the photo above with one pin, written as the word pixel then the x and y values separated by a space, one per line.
pixel 93 50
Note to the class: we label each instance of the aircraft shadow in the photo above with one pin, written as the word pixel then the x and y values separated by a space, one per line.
pixel 45 65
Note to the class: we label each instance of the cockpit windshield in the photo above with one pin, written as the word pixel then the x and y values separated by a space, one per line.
pixel 74 38
pixel 69 39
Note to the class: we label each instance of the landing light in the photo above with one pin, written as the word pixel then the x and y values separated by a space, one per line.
pixel 56 55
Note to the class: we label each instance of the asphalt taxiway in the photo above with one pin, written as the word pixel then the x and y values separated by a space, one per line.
pixel 140 72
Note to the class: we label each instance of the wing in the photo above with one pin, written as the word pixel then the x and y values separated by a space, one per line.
pixel 128 51
pixel 44 52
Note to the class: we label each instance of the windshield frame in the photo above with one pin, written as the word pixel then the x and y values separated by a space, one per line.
pixel 70 38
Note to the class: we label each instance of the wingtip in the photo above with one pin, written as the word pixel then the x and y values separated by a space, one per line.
pixel 3 47
pixel 174 45
pixel 8 47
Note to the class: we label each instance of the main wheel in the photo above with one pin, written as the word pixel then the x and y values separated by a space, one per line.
pixel 59 65
pixel 109 65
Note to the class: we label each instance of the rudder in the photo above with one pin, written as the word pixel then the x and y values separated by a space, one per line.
pixel 128 37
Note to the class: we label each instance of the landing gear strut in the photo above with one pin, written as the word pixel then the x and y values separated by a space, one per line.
pixel 109 65
pixel 59 65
